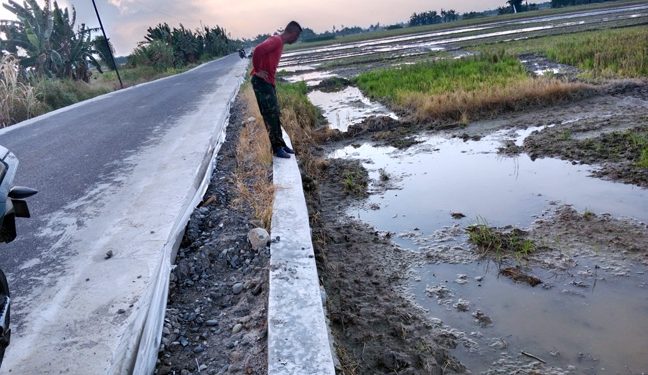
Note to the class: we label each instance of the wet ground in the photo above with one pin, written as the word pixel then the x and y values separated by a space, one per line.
pixel 567 178
pixel 588 314
pixel 550 172
pixel 349 59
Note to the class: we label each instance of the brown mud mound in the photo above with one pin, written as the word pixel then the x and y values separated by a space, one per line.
pixel 540 65
pixel 376 329
pixel 587 233
pixel 332 84
pixel 216 312
pixel 384 130
pixel 619 151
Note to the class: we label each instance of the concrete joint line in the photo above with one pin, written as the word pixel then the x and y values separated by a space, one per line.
pixel 150 337
pixel 298 339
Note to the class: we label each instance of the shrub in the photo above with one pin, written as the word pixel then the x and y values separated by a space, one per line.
pixel 18 100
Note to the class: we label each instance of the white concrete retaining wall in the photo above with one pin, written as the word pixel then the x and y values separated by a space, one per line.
pixel 298 341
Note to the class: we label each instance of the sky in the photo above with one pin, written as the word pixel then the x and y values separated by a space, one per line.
pixel 126 21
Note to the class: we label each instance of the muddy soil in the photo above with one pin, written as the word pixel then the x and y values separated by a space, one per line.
pixel 216 313
pixel 332 84
pixel 610 130
pixel 572 234
pixel 562 235
pixel 606 127
pixel 376 329
pixel 539 65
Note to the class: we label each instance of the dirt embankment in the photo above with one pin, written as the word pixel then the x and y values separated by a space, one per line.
pixel 376 329
pixel 216 313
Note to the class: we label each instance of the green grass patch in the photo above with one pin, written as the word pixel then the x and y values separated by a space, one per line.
pixel 137 75
pixel 617 53
pixel 643 159
pixel 294 97
pixel 464 89
pixel 59 93
pixel 489 240
pixel 470 74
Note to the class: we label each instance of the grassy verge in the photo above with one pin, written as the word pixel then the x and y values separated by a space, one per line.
pixel 299 116
pixel 59 93
pixel 464 89
pixel 618 53
pixel 135 76
pixel 253 174
pixel 21 100
pixel 462 23
pixel 18 101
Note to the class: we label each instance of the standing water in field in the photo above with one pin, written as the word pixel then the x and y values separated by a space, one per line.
pixel 347 107
pixel 588 315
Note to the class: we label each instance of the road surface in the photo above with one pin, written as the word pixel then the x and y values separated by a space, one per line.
pixel 114 174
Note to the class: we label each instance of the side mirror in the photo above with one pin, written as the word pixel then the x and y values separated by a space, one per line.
pixel 21 192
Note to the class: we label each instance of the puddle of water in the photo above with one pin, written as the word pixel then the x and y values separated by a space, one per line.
pixel 311 79
pixel 601 330
pixel 521 135
pixel 347 107
pixel 543 72
pixel 297 68
pixel 444 175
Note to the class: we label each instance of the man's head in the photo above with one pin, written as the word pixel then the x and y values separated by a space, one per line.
pixel 292 32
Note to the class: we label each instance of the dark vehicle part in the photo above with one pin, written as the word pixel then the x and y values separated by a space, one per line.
pixel 12 205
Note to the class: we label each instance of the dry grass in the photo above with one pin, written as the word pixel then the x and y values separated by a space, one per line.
pixel 18 101
pixel 464 105
pixel 301 120
pixel 253 175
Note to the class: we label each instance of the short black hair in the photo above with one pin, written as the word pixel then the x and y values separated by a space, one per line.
pixel 293 27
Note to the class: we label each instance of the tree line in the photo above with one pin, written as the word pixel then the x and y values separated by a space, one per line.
pixel 165 47
pixel 432 17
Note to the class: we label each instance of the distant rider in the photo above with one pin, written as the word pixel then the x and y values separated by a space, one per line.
pixel 265 61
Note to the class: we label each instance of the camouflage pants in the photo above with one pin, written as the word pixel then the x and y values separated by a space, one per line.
pixel 266 96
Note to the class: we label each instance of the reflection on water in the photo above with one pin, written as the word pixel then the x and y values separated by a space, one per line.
pixel 444 175
pixel 347 107
pixel 600 330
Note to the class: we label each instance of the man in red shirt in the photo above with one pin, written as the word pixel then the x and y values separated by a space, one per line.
pixel 265 60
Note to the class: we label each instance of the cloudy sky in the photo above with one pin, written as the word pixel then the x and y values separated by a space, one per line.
pixel 126 20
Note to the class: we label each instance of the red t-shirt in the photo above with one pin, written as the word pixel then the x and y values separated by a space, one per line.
pixel 266 57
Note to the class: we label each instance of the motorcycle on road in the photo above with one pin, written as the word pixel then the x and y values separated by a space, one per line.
pixel 12 205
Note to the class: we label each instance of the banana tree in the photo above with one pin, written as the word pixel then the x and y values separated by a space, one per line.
pixel 32 33
pixel 48 39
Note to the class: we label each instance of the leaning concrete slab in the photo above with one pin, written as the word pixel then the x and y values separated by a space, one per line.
pixel 298 341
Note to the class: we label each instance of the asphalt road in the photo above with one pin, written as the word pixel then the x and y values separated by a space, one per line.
pixel 94 147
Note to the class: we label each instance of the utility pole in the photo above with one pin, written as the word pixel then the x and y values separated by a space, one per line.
pixel 108 45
